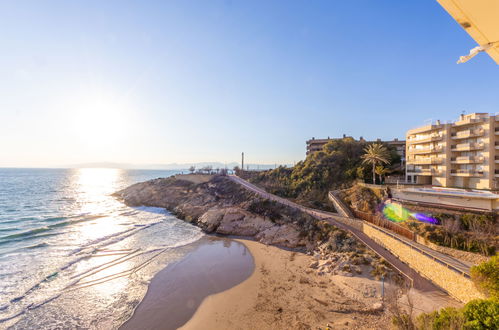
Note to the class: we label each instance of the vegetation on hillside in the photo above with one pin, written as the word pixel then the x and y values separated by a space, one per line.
pixel 468 232
pixel 361 199
pixel 336 166
pixel 477 314
pixel 486 277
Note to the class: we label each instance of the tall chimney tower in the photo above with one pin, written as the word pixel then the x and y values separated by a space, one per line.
pixel 242 161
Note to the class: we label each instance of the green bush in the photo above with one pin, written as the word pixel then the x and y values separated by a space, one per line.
pixel 266 208
pixel 482 314
pixel 479 314
pixel 486 277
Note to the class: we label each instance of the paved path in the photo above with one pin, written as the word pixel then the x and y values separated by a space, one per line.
pixel 460 266
pixel 418 281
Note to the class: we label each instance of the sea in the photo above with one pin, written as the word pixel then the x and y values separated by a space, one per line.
pixel 72 255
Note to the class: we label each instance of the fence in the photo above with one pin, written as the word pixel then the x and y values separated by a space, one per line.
pixel 379 221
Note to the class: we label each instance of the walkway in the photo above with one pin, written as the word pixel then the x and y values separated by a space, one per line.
pixel 419 282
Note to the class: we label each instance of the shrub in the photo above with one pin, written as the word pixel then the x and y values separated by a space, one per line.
pixel 482 314
pixel 486 277
pixel 479 314
pixel 449 318
pixel 266 208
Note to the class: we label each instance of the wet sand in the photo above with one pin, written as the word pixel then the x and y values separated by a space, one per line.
pixel 176 292
pixel 284 293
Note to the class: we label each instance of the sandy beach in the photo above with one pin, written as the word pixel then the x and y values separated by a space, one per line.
pixel 284 293
pixel 174 294
pixel 244 284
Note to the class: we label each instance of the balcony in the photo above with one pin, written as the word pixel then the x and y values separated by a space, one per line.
pixel 496 130
pixel 424 129
pixel 469 121
pixel 467 134
pixel 429 150
pixel 424 171
pixel 429 138
pixel 466 173
pixel 467 160
pixel 426 161
pixel 467 146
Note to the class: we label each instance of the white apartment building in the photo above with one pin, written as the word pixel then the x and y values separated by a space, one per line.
pixel 461 154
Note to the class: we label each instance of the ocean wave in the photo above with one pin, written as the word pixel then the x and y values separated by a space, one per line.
pixel 34 232
pixel 31 232
pixel 77 282
pixel 36 246
pixel 8 229
pixel 152 209
pixel 26 238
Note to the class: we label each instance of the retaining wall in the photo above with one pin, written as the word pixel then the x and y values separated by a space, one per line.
pixel 458 286
pixel 340 207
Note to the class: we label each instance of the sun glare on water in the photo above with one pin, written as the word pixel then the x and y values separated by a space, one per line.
pixel 94 186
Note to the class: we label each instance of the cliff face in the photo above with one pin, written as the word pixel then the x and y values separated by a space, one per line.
pixel 218 205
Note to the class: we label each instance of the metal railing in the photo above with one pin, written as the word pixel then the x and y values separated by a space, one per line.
pixel 414 247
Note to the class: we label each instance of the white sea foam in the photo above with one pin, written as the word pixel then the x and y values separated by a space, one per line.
pixel 80 258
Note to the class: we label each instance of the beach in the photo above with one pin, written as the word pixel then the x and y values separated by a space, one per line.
pixel 276 290
pixel 284 293
pixel 213 265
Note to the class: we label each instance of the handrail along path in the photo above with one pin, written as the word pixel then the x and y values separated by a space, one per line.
pixel 416 280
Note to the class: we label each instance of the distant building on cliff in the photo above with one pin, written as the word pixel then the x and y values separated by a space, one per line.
pixel 314 144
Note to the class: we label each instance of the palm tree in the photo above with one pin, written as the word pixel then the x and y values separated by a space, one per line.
pixel 382 171
pixel 375 154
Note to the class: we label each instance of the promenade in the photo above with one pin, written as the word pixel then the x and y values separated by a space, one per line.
pixel 418 282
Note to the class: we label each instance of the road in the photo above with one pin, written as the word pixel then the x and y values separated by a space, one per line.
pixel 418 282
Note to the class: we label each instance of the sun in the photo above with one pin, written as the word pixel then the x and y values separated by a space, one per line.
pixel 100 122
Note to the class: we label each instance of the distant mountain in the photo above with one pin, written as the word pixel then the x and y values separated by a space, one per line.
pixel 174 166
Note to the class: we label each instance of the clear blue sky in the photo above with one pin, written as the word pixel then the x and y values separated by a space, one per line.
pixel 186 81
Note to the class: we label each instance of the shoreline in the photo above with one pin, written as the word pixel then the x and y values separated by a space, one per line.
pixel 174 294
pixel 277 289
pixel 284 293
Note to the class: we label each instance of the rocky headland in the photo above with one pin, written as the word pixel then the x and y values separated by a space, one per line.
pixel 220 206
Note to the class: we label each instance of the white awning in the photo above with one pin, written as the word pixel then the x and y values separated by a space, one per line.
pixel 480 18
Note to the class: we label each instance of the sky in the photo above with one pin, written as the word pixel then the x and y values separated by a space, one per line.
pixel 155 82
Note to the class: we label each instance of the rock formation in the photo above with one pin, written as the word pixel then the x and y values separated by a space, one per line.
pixel 218 205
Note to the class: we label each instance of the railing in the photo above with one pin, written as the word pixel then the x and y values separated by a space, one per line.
pixel 476 159
pixel 424 171
pixel 423 252
pixel 429 138
pixel 380 222
pixel 428 160
pixel 467 121
pixel 467 171
pixel 467 146
pixel 467 134
pixel 339 205
pixel 425 150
